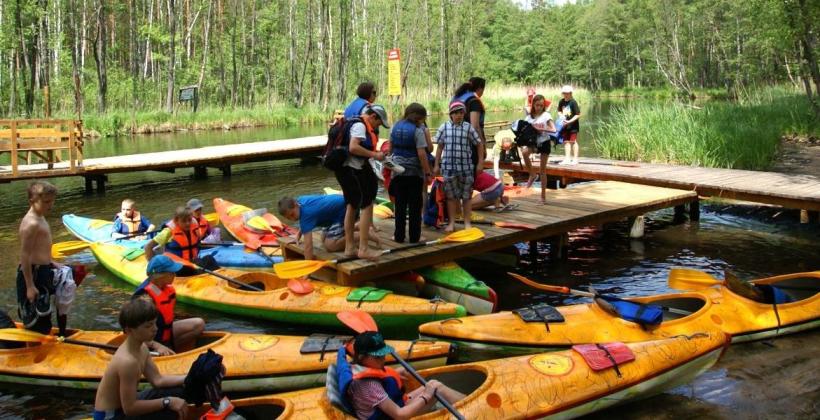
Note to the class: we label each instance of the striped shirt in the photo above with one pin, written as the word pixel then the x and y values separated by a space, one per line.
pixel 458 141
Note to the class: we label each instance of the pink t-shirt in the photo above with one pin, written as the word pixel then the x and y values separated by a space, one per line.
pixel 366 395
pixel 484 181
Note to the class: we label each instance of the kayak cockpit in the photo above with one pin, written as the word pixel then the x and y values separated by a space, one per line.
pixel 260 411
pixel 799 288
pixel 204 341
pixel 680 307
pixel 260 280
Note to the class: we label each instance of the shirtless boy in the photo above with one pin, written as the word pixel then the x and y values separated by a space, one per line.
pixel 117 394
pixel 35 278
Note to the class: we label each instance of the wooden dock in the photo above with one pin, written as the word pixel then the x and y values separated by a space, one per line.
pixel 567 209
pixel 792 191
pixel 217 157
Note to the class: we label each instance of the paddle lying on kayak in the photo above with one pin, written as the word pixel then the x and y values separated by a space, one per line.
pixel 232 280
pixel 302 268
pixel 567 291
pixel 361 321
pixel 28 336
pixel 66 248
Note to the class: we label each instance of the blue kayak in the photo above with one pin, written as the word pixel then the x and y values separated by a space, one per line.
pixel 236 256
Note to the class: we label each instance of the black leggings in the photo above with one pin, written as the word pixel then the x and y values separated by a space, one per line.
pixel 407 190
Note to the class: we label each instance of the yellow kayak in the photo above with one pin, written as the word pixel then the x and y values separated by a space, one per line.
pixel 254 362
pixel 506 333
pixel 549 385
pixel 278 302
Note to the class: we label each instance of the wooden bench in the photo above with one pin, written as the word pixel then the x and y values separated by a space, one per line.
pixel 44 139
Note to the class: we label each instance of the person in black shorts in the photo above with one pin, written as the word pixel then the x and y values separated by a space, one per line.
pixel 358 181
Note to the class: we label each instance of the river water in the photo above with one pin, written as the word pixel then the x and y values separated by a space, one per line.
pixel 775 379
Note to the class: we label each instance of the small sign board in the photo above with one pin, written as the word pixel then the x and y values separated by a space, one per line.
pixel 190 94
pixel 393 72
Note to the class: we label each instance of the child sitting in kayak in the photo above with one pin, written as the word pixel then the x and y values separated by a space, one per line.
pixel 181 236
pixel 208 233
pixel 171 335
pixel 129 221
pixel 367 392
pixel 117 394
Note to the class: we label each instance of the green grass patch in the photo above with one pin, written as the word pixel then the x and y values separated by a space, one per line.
pixel 744 134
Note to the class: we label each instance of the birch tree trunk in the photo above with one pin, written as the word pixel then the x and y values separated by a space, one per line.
pixel 172 27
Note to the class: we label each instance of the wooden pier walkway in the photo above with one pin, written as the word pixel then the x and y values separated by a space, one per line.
pixel 567 209
pixel 792 191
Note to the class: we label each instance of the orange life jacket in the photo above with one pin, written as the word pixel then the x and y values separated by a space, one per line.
pixel 203 225
pixel 132 224
pixel 184 244
pixel 373 139
pixel 165 299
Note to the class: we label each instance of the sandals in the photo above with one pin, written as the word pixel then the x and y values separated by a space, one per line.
pixel 508 207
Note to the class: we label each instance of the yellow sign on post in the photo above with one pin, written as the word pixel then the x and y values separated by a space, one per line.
pixel 393 73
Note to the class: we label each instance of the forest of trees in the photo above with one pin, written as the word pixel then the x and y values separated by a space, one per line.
pixel 92 56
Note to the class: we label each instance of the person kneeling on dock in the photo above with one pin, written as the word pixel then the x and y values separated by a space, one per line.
pixel 170 335
pixel 326 211
pixel 117 394
pixel 490 192
pixel 129 221
pixel 376 390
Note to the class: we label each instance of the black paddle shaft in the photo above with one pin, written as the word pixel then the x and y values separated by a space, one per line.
pixel 421 380
pixel 231 280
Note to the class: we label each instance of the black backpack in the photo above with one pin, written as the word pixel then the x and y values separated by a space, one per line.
pixel 338 139
pixel 525 133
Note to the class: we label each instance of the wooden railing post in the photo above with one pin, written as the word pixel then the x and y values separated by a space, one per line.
pixel 14 171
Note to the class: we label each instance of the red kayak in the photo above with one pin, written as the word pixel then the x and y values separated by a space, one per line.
pixel 253 227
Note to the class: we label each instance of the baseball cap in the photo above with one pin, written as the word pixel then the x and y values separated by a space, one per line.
pixel 380 111
pixel 162 264
pixel 371 343
pixel 194 204
pixel 457 106
pixel 566 89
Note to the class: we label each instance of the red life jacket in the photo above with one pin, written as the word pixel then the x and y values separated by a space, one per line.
pixel 165 299
pixel 390 379
pixel 184 244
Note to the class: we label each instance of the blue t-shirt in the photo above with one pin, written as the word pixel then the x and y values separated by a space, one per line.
pixel 320 210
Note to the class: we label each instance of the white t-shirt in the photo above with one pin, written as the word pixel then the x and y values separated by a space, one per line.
pixel 540 124
pixel 357 130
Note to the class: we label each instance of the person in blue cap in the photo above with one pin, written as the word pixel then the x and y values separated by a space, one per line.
pixel 171 335
pixel 378 388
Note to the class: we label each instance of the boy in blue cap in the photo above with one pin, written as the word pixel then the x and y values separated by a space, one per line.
pixel 378 388
pixel 171 335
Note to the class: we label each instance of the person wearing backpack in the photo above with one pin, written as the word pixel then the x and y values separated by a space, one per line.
pixel 408 148
pixel 540 118
pixel 457 140
pixel 569 109
pixel 357 179
pixel 365 95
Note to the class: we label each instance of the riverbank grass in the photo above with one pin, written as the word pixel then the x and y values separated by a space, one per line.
pixel 741 135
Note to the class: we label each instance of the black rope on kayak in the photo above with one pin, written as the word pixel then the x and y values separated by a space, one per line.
pixel 776 315
pixel 611 359
pixel 361 299
pixel 410 349
pixel 452 320
pixel 324 347
pixel 689 337
pixel 435 301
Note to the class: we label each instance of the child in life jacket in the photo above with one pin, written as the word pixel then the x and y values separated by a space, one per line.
pixel 377 388
pixel 130 223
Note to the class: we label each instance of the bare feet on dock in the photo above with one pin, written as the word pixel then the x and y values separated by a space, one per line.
pixel 369 254
pixel 449 229
pixel 350 253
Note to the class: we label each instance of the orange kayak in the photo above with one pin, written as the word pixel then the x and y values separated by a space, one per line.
pixel 549 385
pixel 507 333
pixel 253 362
pixel 235 219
